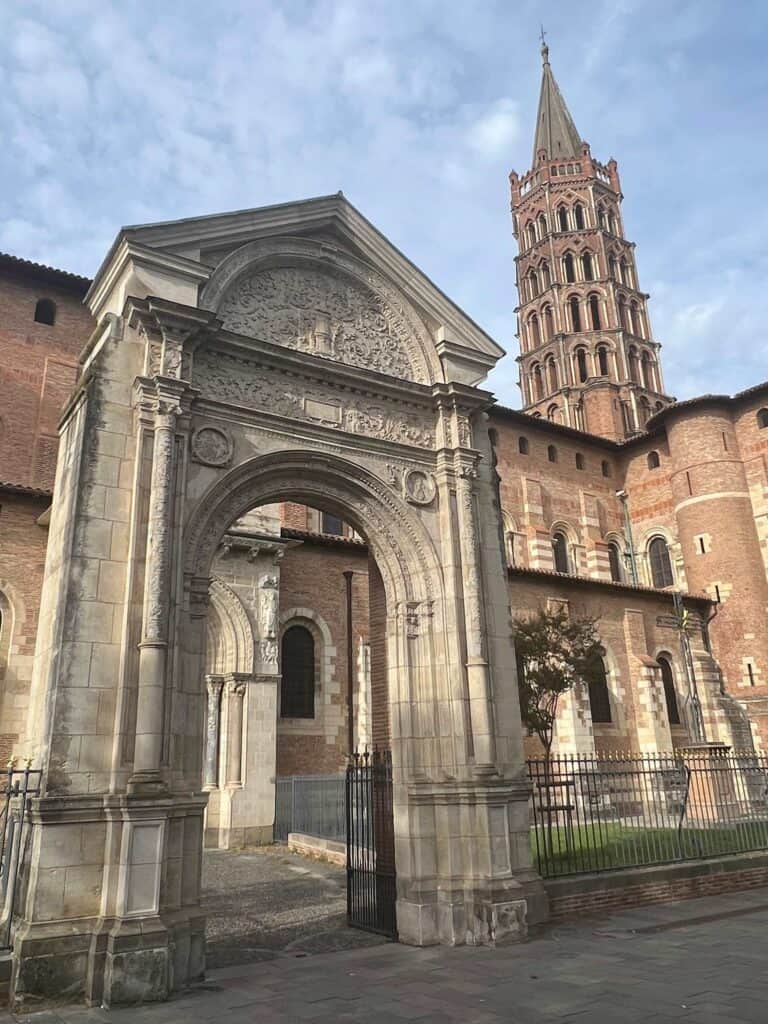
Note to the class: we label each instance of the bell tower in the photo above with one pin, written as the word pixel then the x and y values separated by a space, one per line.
pixel 587 355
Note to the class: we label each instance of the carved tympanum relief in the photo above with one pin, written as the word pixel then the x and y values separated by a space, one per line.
pixel 325 314
pixel 227 379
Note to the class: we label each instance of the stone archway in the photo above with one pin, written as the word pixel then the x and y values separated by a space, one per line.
pixel 301 370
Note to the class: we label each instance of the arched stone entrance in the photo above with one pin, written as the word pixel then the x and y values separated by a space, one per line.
pixel 328 370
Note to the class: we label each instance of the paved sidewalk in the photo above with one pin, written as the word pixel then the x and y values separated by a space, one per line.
pixel 699 961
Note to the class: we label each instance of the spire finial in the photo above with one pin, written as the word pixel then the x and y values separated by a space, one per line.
pixel 544 47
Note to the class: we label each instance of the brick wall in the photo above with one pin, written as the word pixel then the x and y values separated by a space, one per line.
pixel 22 560
pixel 38 367
pixel 311 578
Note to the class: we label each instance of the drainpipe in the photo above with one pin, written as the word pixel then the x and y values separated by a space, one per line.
pixel 348 574
pixel 624 499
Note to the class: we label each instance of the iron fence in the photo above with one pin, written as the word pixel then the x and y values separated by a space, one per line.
pixel 371 879
pixel 312 804
pixel 16 787
pixel 605 813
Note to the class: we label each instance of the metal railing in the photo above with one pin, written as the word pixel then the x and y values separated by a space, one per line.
pixel 312 804
pixel 605 813
pixel 16 787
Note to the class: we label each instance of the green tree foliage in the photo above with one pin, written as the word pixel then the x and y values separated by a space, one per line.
pixel 554 652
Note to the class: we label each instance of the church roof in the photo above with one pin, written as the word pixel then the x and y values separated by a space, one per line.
pixel 555 131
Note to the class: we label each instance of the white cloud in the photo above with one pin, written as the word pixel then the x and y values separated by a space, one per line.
pixel 496 129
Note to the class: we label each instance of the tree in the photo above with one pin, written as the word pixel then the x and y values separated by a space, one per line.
pixel 554 652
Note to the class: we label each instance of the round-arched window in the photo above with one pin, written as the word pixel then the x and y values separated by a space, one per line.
pixel 660 563
pixel 297 688
pixel 670 694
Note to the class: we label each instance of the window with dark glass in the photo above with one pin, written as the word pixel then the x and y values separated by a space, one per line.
pixel 562 218
pixel 599 697
pixel 552 453
pixel 569 267
pixel 45 312
pixel 573 304
pixel 522 445
pixel 661 566
pixel 614 558
pixel 653 460
pixel 670 694
pixel 560 552
pixel 297 687
pixel 581 362
pixel 605 466
pixel 762 419
pixel 332 524
pixel 579 461
pixel 602 361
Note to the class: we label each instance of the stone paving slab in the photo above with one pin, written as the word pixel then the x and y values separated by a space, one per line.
pixel 616 970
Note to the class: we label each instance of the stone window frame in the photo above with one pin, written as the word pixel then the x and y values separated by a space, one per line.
pixel 326 685
pixel 643 549
pixel 616 694
pixel 678 673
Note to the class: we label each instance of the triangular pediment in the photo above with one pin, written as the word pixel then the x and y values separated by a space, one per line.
pixel 304 245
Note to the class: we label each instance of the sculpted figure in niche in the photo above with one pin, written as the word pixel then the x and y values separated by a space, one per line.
pixel 268 600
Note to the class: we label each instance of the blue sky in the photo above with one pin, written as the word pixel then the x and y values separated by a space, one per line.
pixel 123 113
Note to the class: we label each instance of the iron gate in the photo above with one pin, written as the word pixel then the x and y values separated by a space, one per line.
pixel 16 787
pixel 371 888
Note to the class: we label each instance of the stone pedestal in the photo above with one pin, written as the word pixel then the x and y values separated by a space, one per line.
pixel 712 796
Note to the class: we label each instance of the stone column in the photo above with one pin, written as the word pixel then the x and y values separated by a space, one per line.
pixel 481 712
pixel 214 686
pixel 146 777
pixel 235 696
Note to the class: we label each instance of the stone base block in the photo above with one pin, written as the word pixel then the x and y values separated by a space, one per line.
pixel 239 838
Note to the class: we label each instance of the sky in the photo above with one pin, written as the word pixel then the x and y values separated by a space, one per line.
pixel 126 113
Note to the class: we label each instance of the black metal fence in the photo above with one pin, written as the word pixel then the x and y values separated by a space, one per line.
pixel 312 804
pixel 610 812
pixel 371 881
pixel 16 787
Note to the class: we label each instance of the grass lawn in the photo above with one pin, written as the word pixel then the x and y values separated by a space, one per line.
pixel 610 845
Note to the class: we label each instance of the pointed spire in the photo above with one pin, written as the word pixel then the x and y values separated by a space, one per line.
pixel 555 130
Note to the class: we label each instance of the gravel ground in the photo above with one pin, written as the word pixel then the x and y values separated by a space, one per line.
pixel 269 902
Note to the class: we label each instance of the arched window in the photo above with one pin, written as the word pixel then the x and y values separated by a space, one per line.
pixel 531 233
pixel 612 222
pixel 562 218
pixel 45 312
pixel 601 218
pixel 605 468
pixel 573 305
pixel 612 265
pixel 554 384
pixel 546 276
pixel 538 384
pixel 670 694
pixel 581 363
pixel 549 322
pixel 660 563
pixel 762 419
pixel 578 215
pixel 594 312
pixel 533 285
pixel 542 225
pixel 533 329
pixel 522 445
pixel 560 552
pixel 602 360
pixel 653 460
pixel 644 411
pixel 634 365
pixel 646 367
pixel 552 453
pixel 587 266
pixel 599 697
pixel 623 274
pixel 579 461
pixel 552 414
pixel 637 326
pixel 614 559
pixel 623 313
pixel 569 267
pixel 297 688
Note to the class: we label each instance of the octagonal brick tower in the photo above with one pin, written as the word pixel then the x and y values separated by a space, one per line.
pixel 587 356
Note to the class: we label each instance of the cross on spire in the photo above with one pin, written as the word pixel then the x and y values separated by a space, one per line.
pixel 544 47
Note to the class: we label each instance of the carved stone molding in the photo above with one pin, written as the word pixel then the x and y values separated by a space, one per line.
pixel 212 446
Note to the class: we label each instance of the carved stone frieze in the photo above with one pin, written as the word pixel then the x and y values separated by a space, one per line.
pixel 333 315
pixel 227 379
